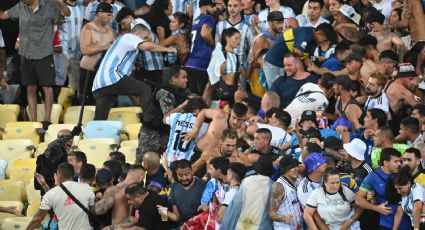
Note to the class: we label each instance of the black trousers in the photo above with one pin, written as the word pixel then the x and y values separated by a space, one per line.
pixel 106 97
pixel 197 80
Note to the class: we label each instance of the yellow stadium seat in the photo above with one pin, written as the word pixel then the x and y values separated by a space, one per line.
pixel 11 107
pixel 54 116
pixel 96 152
pixel 130 143
pixel 40 149
pixel 23 170
pixel 6 116
pixel 11 190
pixel 78 108
pixel 108 141
pixel 126 117
pixel 23 130
pixel 32 194
pixel 130 153
pixel 72 116
pixel 52 131
pixel 5 216
pixel 33 208
pixel 12 150
pixel 134 109
pixel 133 130
pixel 64 97
pixel 15 223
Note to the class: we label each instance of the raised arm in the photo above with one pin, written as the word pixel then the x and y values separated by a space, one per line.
pixel 205 113
pixel 62 6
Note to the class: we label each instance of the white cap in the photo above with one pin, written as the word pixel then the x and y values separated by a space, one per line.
pixel 349 12
pixel 138 21
pixel 356 148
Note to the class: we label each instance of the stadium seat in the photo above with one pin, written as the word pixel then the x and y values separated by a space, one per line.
pixel 133 131
pixel 108 141
pixel 11 107
pixel 130 153
pixel 23 130
pixel 127 117
pixel 54 117
pixel 64 97
pixel 72 116
pixel 16 223
pixel 22 169
pixel 6 216
pixel 78 108
pixel 32 194
pixel 130 143
pixel 11 190
pixel 103 129
pixel 40 149
pixel 33 208
pixel 134 109
pixel 6 116
pixel 52 132
pixel 12 150
pixel 96 152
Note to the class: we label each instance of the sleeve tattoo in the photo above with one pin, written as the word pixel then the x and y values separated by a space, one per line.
pixel 106 203
pixel 278 193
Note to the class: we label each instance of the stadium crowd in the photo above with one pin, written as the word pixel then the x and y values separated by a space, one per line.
pixel 257 114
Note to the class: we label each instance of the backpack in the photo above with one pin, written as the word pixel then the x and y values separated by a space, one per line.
pixel 391 194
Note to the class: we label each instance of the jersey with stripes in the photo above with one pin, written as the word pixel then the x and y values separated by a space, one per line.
pixel 118 61
pixel 247 37
pixel 262 16
pixel 305 188
pixel 178 148
pixel 181 5
pixel 380 102
pixel 231 63
pixel 152 60
pixel 247 18
pixel 200 51
pixel 90 13
pixel 70 31
pixel 290 205
pixel 195 10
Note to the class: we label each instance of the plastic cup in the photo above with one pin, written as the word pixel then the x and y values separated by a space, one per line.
pixel 163 212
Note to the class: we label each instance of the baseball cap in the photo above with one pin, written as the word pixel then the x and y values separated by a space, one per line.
pixel 349 12
pixel 332 142
pixel 275 16
pixel 206 3
pixel 354 57
pixel 344 81
pixel 287 162
pixel 308 115
pixel 103 176
pixel 356 148
pixel 104 7
pixel 155 184
pixel 314 161
pixel 138 21
pixel 406 70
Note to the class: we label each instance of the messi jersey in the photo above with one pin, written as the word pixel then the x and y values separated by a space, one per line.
pixel 200 51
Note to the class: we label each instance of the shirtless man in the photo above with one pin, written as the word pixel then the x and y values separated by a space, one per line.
pixel 221 120
pixel 413 17
pixel 114 197
pixel 226 149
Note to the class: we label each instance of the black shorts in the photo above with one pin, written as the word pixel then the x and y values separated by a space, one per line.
pixel 40 72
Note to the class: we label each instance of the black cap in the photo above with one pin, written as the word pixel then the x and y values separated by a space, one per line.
pixel 406 70
pixel 308 115
pixel 264 166
pixel 287 163
pixel 388 54
pixel 206 3
pixel 275 16
pixel 354 57
pixel 104 7
pixel 333 143
pixel 123 13
pixel 344 81
pixel 103 176
pixel 311 133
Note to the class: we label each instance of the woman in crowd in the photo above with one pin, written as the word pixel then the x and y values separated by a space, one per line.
pixel 179 25
pixel 412 199
pixel 333 203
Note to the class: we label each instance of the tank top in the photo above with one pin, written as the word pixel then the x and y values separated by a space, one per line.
pixel 289 206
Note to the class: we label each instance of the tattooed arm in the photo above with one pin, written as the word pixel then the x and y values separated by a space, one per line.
pixel 278 193
pixel 127 223
pixel 106 203
pixel 36 220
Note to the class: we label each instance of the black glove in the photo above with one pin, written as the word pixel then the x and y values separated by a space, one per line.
pixel 76 130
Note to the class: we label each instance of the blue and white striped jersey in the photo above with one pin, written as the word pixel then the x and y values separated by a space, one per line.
pixel 247 37
pixel 262 16
pixel 181 5
pixel 231 63
pixel 118 61
pixel 152 60
pixel 70 31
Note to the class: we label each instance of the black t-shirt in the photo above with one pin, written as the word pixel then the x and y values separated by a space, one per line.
pixel 158 177
pixel 149 217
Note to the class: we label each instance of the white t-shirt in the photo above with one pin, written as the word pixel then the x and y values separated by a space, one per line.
pixel 416 193
pixel 304 189
pixel 228 195
pixel 279 136
pixel 70 215
pixel 331 207
pixel 385 8
pixel 304 21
